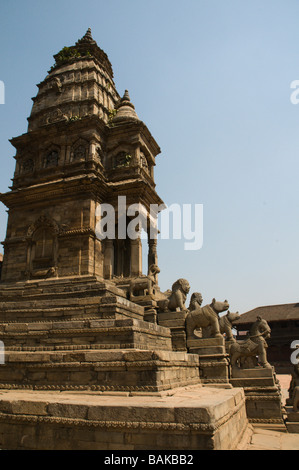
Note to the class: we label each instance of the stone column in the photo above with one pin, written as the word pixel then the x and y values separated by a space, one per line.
pixel 108 259
pixel 152 252
pixel 136 257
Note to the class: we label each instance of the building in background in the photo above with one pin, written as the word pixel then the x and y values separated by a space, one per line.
pixel 284 323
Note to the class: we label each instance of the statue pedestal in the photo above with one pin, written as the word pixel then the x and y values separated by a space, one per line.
pixel 263 397
pixel 213 359
pixel 175 321
pixel 292 421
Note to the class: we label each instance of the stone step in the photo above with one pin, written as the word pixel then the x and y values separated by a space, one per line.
pixel 112 306
pixel 195 418
pixel 111 333
pixel 118 370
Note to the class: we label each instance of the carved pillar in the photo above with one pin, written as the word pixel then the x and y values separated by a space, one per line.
pixel 136 257
pixel 152 252
pixel 108 259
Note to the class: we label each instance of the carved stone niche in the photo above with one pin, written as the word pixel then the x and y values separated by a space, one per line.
pixel 79 151
pixel 121 160
pixel 144 163
pixel 27 166
pixel 42 248
pixel 51 157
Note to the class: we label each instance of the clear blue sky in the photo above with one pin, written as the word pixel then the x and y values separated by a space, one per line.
pixel 211 80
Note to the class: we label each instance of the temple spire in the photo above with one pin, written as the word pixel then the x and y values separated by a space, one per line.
pixel 125 109
pixel 87 38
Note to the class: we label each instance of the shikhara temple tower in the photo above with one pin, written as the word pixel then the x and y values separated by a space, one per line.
pixel 84 146
pixel 78 314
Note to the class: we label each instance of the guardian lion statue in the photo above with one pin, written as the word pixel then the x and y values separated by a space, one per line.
pixel 202 317
pixel 176 298
pixel 255 345
pixel 195 301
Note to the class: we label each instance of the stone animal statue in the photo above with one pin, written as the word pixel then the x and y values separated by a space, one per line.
pixel 195 301
pixel 296 399
pixel 203 317
pixel 144 285
pixel 254 345
pixel 226 324
pixel 294 389
pixel 176 298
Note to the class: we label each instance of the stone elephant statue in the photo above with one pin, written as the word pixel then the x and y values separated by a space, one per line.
pixel 202 317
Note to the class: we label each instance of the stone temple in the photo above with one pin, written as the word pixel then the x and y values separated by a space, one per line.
pixel 96 356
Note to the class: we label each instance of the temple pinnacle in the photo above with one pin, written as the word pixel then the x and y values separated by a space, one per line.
pixel 87 37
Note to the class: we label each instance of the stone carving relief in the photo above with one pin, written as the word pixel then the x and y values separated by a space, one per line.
pixel 55 84
pixel 55 116
pixel 42 248
pixel 255 345
pixel 43 221
pixel 143 162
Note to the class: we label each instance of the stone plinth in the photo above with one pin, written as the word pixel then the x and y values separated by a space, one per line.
pixel 175 321
pixel 195 417
pixel 213 359
pixel 104 370
pixel 292 421
pixel 263 396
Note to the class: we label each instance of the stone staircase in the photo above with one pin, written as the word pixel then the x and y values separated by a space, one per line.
pixel 85 335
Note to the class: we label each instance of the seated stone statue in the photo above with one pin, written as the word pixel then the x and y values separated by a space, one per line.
pixel 254 345
pixel 195 301
pixel 144 285
pixel 202 317
pixel 176 298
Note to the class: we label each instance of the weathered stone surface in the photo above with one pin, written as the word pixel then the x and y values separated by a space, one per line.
pixel 262 392
pixel 71 315
pixel 190 418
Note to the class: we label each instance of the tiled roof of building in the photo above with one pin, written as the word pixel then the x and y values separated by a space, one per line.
pixel 271 313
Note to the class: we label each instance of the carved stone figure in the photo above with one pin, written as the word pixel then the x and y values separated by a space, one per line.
pixel 203 317
pixel 144 285
pixel 294 388
pixel 255 345
pixel 296 399
pixel 226 324
pixel 176 297
pixel 195 301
